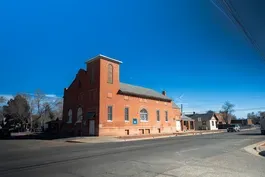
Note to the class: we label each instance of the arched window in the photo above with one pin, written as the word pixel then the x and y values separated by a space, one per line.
pixel 110 73
pixel 144 115
pixel 79 114
pixel 70 113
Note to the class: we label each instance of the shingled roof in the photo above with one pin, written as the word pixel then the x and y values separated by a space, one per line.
pixel 186 118
pixel 174 106
pixel 220 117
pixel 133 90
pixel 204 117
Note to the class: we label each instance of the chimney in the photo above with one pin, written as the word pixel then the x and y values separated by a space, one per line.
pixel 164 92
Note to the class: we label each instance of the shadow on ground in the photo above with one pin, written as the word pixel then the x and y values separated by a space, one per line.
pixel 262 153
pixel 250 134
pixel 37 136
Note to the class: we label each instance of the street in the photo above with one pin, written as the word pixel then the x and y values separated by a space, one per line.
pixel 205 155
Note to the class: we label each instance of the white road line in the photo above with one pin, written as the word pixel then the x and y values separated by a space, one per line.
pixel 187 150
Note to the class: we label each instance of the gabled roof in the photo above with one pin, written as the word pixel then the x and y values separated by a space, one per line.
pixel 103 57
pixel 204 117
pixel 219 117
pixel 133 90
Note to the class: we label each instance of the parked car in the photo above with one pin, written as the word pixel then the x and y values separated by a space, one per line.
pixel 233 128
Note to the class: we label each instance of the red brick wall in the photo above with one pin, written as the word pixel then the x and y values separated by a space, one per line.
pixel 99 95
pixel 86 96
pixel 109 97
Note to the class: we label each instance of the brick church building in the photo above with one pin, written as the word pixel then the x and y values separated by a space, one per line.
pixel 97 103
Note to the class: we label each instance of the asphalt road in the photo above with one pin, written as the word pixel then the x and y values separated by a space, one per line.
pixel 205 155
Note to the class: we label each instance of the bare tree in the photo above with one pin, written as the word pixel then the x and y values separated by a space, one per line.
pixel 255 117
pixel 227 110
pixel 210 112
pixel 232 117
pixel 2 99
pixel 262 114
pixel 31 103
pixel 46 108
pixel 58 108
pixel 39 98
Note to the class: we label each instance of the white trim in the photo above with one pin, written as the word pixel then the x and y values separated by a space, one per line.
pixel 146 114
pixel 143 120
pixel 128 113
pixel 104 57
pixel 159 115
pixel 70 120
pixel 111 113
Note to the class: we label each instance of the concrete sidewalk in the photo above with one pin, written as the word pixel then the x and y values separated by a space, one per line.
pixel 105 139
pixel 136 138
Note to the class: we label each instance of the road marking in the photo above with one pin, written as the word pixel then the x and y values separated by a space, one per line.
pixel 187 150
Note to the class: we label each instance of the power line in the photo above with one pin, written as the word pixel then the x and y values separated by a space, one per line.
pixel 244 109
pixel 236 20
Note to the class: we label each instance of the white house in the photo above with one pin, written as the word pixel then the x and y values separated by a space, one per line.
pixel 206 121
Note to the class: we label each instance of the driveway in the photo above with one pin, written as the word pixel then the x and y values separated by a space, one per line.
pixel 205 155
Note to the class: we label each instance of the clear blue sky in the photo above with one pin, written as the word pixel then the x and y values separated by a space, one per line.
pixel 183 46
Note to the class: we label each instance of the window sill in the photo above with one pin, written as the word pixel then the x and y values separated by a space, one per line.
pixel 109 120
pixel 143 120
pixel 126 121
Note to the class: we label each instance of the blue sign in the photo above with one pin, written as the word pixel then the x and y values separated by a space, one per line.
pixel 134 121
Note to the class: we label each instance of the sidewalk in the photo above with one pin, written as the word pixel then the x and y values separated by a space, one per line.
pixel 92 139
pixel 105 139
pixel 135 138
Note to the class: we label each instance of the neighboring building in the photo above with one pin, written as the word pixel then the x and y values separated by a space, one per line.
pixel 242 122
pixel 187 123
pixel 97 103
pixel 250 122
pixel 206 121
pixel 220 118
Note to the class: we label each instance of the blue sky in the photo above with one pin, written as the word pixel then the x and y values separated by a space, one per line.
pixel 186 47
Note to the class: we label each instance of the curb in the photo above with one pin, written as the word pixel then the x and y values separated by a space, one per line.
pixel 255 149
pixel 154 137
pixel 259 149
pixel 170 136
pixel 242 130
pixel 148 138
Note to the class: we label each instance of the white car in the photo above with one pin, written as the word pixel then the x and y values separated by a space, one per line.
pixel 233 128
